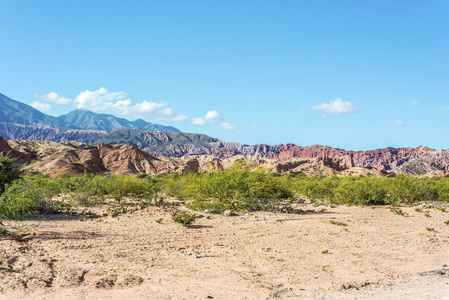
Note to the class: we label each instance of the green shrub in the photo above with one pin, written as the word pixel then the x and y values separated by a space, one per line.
pixel 237 189
pixel 9 171
pixel 398 211
pixel 20 200
pixel 91 190
pixel 184 218
pixel 338 223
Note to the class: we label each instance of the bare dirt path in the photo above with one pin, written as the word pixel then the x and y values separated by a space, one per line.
pixel 251 256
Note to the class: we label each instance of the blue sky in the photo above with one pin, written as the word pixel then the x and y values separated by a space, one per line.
pixel 356 75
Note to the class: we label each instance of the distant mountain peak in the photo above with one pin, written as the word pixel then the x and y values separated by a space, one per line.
pixel 88 120
pixel 12 111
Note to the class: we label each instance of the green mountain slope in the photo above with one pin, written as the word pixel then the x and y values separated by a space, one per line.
pixel 13 111
pixel 87 120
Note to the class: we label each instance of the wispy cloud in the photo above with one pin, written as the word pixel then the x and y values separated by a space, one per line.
pixel 53 98
pixel 41 106
pixel 213 118
pixel 167 114
pixel 336 107
pixel 412 105
pixel 399 122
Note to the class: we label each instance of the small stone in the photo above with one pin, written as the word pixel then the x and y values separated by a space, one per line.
pixel 227 213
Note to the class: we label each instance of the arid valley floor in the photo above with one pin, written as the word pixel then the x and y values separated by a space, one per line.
pixel 378 255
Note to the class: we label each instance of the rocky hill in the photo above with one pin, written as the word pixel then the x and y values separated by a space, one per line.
pixel 382 159
pixel 42 149
pixel 105 158
pixel 7 150
pixel 317 166
pixel 39 132
pixel 75 158
pixel 157 143
pixel 128 160
pixel 426 166
pixel 177 144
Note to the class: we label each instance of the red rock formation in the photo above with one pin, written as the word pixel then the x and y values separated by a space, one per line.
pixel 175 144
pixel 223 152
pixel 284 167
pixel 339 163
pixel 382 159
pixel 118 159
pixel 6 149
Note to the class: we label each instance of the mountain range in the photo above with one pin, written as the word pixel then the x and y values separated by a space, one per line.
pixel 12 111
pixel 19 121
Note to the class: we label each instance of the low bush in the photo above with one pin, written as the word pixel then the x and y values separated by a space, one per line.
pixel 184 218
pixel 9 171
pixel 20 200
pixel 236 189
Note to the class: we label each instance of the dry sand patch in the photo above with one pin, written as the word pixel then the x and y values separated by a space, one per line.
pixel 251 256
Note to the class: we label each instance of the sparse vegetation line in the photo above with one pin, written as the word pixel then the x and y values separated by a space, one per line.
pixel 239 188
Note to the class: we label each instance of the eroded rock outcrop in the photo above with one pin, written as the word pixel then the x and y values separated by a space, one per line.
pixel 7 150
pixel 104 158
pixel 177 145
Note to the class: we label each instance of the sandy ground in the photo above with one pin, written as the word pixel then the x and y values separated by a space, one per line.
pixel 378 255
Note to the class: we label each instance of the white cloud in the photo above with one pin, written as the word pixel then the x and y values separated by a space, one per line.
pixel 399 122
pixel 54 98
pixel 228 126
pixel 167 114
pixel 121 106
pixel 104 101
pixel 446 108
pixel 336 107
pixel 142 109
pixel 211 118
pixel 41 106
pixel 254 125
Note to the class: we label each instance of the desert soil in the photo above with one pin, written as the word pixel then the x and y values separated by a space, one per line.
pixel 262 255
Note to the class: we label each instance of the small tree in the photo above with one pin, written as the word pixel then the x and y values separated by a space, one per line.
pixel 11 204
pixel 9 171
pixel 19 201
